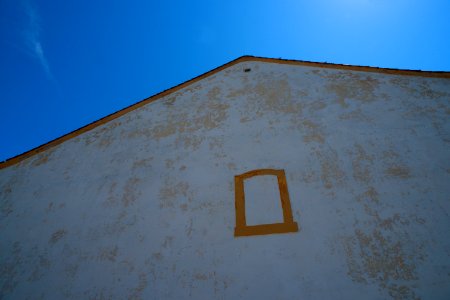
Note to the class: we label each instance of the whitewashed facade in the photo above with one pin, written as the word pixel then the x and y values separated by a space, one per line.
pixel 142 206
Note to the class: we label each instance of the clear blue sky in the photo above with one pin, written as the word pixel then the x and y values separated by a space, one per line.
pixel 64 64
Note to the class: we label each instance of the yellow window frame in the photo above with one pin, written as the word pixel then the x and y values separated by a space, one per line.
pixel 242 229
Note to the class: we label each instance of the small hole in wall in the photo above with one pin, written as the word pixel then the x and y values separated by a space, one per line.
pixel 247 70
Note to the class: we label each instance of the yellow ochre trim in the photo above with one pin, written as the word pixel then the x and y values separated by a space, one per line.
pixel 77 132
pixel 242 229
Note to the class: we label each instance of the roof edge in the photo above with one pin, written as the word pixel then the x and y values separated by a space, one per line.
pixel 246 58
pixel 405 72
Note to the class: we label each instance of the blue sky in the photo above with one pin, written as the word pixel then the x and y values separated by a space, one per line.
pixel 64 64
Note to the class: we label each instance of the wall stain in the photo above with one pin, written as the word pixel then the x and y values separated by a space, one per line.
pixel 136 293
pixel 168 240
pixel 420 90
pixel 383 253
pixel 189 142
pixel 102 136
pixel 184 207
pixel 400 171
pixel 6 207
pixel 331 172
pixel 362 163
pixel 213 93
pixel 111 199
pixel 200 276
pixel 10 270
pixel 142 163
pixel 231 166
pixel 308 176
pixel 270 95
pixel 57 235
pixel 390 154
pixel 313 132
pixel 389 223
pixel 40 268
pixel 169 193
pixel 348 86
pixel 371 194
pixel 170 100
pixel 108 253
pixel 276 96
pixel 188 228
pixel 188 128
pixel 43 157
pixel 117 223
pixel 71 270
pixel 356 115
pixel 158 256
pixel 374 256
pixel 169 163
pixel 317 105
pixel 215 143
pixel 131 191
pixel 192 88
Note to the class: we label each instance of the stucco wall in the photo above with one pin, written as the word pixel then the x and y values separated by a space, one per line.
pixel 143 206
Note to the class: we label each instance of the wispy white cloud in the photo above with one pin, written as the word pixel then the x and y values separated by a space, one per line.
pixel 32 36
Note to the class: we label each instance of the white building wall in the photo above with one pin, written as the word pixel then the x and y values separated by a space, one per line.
pixel 143 206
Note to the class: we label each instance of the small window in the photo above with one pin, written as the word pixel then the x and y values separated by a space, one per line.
pixel 288 224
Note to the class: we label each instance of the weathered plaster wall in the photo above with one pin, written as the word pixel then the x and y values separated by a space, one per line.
pixel 143 207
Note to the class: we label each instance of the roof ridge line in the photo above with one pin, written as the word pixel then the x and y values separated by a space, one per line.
pixel 411 72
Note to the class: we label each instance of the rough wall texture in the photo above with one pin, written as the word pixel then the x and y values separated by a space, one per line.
pixel 143 206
